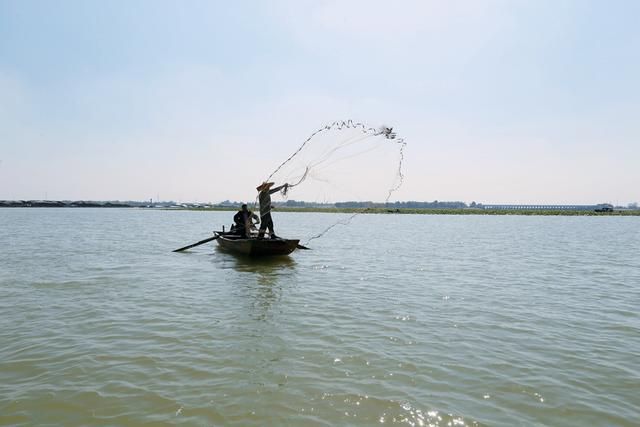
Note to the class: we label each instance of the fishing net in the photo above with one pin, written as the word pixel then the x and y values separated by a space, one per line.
pixel 345 164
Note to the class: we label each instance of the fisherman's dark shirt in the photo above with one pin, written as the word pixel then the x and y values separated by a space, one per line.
pixel 264 198
pixel 239 217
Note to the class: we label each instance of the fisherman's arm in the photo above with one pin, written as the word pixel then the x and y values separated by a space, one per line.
pixel 276 189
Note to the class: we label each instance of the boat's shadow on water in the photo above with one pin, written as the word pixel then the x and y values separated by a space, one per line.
pixel 268 270
pixel 270 265
pixel 267 279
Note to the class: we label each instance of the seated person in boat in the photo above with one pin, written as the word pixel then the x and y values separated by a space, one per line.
pixel 264 197
pixel 243 221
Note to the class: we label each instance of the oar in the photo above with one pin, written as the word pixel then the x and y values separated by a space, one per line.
pixel 299 246
pixel 201 242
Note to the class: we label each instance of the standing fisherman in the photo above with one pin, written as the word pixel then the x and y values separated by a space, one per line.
pixel 264 198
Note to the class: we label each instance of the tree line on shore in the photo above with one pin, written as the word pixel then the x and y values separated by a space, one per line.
pixel 227 204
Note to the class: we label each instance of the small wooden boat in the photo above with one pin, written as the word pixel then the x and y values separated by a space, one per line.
pixel 254 246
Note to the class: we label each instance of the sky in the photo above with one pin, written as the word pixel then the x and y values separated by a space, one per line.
pixel 509 101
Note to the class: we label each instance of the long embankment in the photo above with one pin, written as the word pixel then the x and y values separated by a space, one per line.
pixel 435 211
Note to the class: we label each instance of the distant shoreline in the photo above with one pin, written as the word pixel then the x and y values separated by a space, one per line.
pixel 340 210
pixel 436 211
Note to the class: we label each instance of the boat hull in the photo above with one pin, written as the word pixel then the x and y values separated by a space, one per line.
pixel 257 247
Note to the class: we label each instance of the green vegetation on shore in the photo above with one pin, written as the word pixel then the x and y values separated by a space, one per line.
pixel 466 211
pixel 585 211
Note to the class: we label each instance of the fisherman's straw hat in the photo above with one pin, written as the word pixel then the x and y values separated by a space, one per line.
pixel 264 186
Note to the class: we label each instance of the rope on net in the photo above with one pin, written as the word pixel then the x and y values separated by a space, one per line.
pixel 389 135
pixel 337 125
pixel 387 132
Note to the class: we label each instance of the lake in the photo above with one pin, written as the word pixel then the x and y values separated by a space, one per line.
pixel 393 319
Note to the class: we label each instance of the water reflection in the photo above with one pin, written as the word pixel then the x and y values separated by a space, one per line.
pixel 263 266
pixel 268 276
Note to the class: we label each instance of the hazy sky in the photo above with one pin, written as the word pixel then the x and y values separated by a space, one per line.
pixel 499 101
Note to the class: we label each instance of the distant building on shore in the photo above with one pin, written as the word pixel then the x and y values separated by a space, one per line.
pixel 602 207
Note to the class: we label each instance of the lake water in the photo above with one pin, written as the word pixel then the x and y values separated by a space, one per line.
pixel 394 319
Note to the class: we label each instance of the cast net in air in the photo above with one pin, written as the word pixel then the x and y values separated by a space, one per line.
pixel 345 164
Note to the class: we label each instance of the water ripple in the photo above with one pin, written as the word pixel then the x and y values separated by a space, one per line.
pixel 462 321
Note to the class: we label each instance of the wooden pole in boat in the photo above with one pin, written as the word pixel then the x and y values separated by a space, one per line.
pixel 201 242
